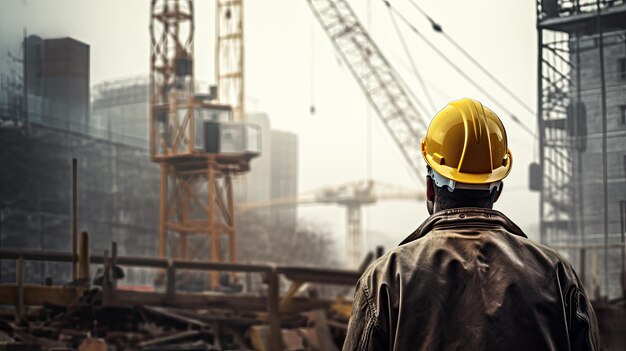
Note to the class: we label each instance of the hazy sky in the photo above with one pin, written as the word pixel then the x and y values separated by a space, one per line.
pixel 286 47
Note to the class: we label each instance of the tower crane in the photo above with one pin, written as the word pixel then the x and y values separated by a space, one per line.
pixel 352 195
pixel 185 131
pixel 195 140
pixel 393 104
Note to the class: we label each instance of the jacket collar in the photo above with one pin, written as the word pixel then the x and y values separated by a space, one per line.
pixel 464 216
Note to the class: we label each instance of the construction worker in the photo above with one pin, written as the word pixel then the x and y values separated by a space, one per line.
pixel 468 278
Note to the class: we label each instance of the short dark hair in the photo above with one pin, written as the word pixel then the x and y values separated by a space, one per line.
pixel 446 199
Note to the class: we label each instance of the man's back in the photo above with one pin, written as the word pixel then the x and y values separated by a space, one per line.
pixel 469 279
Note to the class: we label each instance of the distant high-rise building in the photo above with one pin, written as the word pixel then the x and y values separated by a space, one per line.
pixel 284 182
pixel 255 186
pixel 273 175
pixel 57 77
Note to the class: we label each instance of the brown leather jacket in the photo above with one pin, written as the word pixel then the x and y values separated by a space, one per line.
pixel 469 279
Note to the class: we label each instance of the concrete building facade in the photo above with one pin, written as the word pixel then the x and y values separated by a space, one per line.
pixel 582 120
pixel 590 193
pixel 57 78
pixel 117 183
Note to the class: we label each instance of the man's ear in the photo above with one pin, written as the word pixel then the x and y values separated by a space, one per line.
pixel 430 195
pixel 497 194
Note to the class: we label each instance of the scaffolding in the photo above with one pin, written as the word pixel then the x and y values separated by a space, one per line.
pixel 580 94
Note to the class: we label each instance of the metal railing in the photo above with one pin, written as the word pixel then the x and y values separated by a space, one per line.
pixel 21 295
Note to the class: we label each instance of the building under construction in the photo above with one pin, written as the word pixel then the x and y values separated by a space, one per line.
pixel 582 109
pixel 40 138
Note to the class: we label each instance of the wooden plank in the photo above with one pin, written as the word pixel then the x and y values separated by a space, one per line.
pixel 37 294
pixel 19 289
pixel 168 338
pixel 273 309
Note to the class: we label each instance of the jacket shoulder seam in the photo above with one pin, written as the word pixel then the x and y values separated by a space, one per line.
pixel 370 304
pixel 372 321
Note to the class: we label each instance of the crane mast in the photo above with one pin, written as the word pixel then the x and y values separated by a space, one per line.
pixel 171 78
pixel 196 142
pixel 229 55
pixel 376 77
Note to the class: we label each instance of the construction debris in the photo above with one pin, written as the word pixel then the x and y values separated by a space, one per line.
pixel 89 325
pixel 79 316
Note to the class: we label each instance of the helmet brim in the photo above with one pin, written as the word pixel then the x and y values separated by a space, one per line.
pixel 471 178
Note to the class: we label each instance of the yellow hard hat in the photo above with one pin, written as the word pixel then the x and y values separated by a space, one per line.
pixel 466 142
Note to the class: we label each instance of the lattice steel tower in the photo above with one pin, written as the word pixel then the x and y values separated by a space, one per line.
pixel 195 142
pixel 229 55
pixel 582 82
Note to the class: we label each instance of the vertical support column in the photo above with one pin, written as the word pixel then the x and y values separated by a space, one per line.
pixel 184 213
pixel 113 266
pixel 542 134
pixel 242 56
pixel 107 293
pixel 622 217
pixel 605 186
pixel 74 217
pixel 232 240
pixel 353 239
pixel 273 310
pixel 580 141
pixel 213 234
pixel 163 211
pixel 19 283
pixel 25 84
pixel 83 257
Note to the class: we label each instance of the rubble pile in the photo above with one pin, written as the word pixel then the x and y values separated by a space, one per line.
pixel 88 324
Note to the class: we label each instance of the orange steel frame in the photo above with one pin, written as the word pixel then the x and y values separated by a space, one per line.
pixel 196 186
pixel 197 199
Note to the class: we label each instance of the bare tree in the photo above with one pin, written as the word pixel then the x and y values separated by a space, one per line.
pixel 258 241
